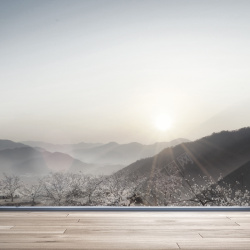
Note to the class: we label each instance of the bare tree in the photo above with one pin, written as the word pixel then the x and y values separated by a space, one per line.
pixel 122 191
pixel 32 192
pixel 163 189
pixel 10 185
pixel 113 189
pixel 215 193
pixel 55 187
pixel 135 190
pixel 85 190
pixel 92 190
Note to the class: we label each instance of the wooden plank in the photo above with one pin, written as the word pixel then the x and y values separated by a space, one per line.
pixel 50 214
pixel 173 219
pixel 212 244
pixel 133 234
pixel 156 214
pixel 163 225
pixel 225 233
pixel 13 214
pixel 244 225
pixel 40 218
pixel 37 221
pixel 92 245
pixel 241 220
pixel 121 228
pixel 100 238
pixel 9 232
pixel 5 227
pixel 124 230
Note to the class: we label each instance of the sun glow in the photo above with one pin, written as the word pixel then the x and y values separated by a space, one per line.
pixel 163 122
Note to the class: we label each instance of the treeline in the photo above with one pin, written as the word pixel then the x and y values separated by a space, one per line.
pixel 160 189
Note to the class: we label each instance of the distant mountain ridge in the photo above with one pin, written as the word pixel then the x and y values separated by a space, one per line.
pixel 110 153
pixel 20 159
pixel 7 144
pixel 63 148
pixel 219 153
pixel 27 161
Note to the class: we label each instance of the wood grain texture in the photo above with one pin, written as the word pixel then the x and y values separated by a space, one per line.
pixel 125 230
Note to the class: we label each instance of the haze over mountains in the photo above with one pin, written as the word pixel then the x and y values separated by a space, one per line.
pixel 229 118
pixel 30 161
pixel 111 153
pixel 226 153
pixel 39 158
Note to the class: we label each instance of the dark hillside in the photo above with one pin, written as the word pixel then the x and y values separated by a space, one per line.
pixel 240 178
pixel 218 153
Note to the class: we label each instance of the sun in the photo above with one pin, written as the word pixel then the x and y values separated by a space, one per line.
pixel 163 122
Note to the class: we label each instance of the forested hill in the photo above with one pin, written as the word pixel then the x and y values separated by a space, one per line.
pixel 240 178
pixel 219 153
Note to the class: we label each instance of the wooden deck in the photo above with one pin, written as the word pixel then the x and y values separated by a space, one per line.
pixel 125 230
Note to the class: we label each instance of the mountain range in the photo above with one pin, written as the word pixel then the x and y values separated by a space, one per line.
pixel 39 158
pixel 30 161
pixel 226 153
pixel 110 153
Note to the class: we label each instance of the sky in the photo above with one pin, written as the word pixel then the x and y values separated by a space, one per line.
pixel 123 70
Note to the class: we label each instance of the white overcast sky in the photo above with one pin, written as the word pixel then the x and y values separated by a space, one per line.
pixel 100 71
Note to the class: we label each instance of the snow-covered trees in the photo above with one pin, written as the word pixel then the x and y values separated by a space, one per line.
pixel 10 184
pixel 84 190
pixel 55 188
pixel 32 192
pixel 215 193
pixel 123 191
pixel 161 188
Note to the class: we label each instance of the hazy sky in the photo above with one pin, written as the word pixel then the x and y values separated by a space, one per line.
pixel 100 71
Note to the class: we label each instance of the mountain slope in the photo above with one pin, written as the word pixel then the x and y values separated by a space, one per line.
pixel 7 144
pixel 27 160
pixel 240 178
pixel 22 161
pixel 221 152
pixel 63 162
